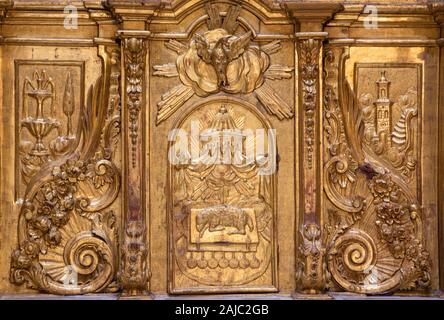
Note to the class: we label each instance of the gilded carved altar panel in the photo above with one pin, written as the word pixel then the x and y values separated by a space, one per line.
pixel 222 201
pixel 224 74
pixel 204 147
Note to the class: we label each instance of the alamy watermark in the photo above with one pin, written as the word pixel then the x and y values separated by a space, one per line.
pixel 371 20
pixel 71 21
pixel 226 147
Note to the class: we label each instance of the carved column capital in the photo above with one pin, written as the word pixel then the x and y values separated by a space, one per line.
pixel 311 16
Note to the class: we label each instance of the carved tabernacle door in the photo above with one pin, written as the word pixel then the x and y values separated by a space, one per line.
pixel 212 147
pixel 222 204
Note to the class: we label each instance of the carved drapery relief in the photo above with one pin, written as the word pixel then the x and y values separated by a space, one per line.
pixel 374 224
pixel 221 212
pixel 67 232
pixel 220 61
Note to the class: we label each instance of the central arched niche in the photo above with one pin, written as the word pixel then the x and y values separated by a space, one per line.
pixel 221 200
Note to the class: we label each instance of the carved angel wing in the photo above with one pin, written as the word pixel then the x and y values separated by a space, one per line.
pixel 203 48
pixel 238 46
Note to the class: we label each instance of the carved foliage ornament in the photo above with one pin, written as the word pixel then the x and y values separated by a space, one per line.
pixel 67 232
pixel 309 69
pixel 374 233
pixel 135 52
pixel 312 275
pixel 218 60
pixel 134 273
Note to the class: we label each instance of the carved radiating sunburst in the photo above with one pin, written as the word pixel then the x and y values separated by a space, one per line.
pixel 219 61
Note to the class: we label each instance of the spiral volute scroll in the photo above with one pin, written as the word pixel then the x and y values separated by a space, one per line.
pixel 353 263
pixel 85 251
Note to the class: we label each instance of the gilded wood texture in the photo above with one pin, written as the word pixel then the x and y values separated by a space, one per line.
pixel 375 230
pixel 92 201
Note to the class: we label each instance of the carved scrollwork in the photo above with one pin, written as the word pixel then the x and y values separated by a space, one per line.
pixel 375 232
pixel 67 239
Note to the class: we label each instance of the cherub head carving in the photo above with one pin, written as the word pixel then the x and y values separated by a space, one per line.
pixel 220 54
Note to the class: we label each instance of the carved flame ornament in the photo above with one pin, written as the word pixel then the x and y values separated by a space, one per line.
pixel 218 60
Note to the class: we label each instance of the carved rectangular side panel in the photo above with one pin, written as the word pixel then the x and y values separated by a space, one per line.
pixel 67 169
pixel 373 167
pixel 48 96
